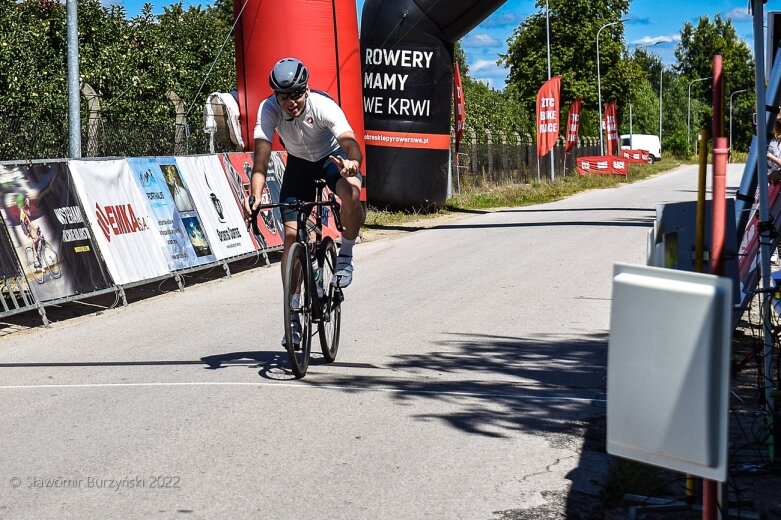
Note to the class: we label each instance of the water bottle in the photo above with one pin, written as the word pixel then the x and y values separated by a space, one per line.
pixel 318 272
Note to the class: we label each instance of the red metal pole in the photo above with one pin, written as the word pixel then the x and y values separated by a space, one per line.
pixel 710 504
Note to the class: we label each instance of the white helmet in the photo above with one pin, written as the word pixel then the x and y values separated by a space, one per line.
pixel 288 75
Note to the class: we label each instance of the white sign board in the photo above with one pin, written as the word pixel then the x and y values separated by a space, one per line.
pixel 668 369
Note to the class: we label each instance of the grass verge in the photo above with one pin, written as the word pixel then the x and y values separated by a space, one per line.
pixel 485 197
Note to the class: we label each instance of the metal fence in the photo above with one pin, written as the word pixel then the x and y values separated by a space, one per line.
pixel 484 158
pixel 494 159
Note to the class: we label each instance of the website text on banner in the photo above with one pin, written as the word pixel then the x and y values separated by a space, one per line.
pixel 601 165
pixel 573 124
pixel 548 116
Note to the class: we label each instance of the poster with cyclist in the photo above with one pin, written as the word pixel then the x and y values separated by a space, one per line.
pixel 181 236
pixel 222 219
pixel 238 169
pixel 47 228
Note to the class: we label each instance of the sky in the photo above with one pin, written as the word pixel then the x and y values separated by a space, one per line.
pixel 648 22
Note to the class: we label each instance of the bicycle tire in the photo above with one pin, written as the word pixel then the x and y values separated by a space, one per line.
pixel 52 260
pixel 38 275
pixel 329 326
pixel 297 281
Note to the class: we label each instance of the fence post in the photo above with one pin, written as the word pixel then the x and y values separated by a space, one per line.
pixel 504 161
pixel 176 101
pixel 517 158
pixel 93 119
pixel 473 137
pixel 489 141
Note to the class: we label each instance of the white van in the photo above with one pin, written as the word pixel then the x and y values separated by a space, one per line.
pixel 647 142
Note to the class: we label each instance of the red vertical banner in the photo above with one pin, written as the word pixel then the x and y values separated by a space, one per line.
pixel 573 124
pixel 611 128
pixel 548 115
pixel 459 106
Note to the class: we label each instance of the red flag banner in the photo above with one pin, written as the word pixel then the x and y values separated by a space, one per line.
pixel 602 164
pixel 611 126
pixel 573 124
pixel 548 115
pixel 459 106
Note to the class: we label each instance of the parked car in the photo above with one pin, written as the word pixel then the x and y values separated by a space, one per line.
pixel 647 142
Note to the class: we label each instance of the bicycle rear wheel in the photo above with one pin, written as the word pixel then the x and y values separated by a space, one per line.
pixel 297 282
pixel 331 303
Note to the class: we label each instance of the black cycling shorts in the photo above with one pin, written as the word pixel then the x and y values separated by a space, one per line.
pixel 298 182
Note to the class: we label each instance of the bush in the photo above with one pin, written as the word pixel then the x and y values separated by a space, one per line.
pixel 675 144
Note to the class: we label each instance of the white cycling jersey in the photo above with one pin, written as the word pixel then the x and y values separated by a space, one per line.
pixel 311 135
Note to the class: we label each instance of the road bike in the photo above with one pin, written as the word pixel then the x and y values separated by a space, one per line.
pixel 42 258
pixel 309 269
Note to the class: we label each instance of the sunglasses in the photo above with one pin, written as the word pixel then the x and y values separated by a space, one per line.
pixel 295 96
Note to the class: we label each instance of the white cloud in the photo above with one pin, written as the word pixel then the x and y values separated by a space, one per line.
pixel 485 65
pixel 488 72
pixel 653 40
pixel 481 40
pixel 739 13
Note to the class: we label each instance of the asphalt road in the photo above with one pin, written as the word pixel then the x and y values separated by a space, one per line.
pixel 472 368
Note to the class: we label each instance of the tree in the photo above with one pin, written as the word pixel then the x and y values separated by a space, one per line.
pixel 695 60
pixel 573 30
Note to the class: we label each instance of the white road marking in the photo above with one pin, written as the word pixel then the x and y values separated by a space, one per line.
pixel 300 385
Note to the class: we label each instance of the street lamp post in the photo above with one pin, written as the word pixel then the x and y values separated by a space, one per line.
pixel 689 114
pixel 547 34
pixel 599 87
pixel 730 115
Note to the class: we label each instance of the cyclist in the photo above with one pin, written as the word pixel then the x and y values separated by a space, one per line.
pixel 23 203
pixel 320 144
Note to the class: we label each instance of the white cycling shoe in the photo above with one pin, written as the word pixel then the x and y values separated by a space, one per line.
pixel 343 273
pixel 296 335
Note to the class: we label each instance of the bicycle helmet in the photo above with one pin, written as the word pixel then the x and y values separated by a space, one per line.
pixel 288 75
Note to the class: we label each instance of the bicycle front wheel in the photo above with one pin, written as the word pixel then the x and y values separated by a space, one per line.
pixel 298 318
pixel 331 303
pixel 34 267
pixel 52 260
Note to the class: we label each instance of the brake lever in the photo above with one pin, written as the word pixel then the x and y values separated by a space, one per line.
pixel 253 216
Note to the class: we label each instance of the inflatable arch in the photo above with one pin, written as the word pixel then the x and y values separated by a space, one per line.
pixel 407 54
pixel 321 33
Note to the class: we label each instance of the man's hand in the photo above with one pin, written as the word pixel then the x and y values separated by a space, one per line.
pixel 347 167
pixel 251 204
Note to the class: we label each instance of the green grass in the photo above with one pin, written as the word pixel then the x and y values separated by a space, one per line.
pixel 536 192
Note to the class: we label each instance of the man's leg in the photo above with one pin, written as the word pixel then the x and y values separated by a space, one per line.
pixel 352 216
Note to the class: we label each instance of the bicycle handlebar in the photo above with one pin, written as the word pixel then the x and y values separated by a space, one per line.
pixel 300 206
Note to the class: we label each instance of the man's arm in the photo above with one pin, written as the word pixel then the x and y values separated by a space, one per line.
pixel 352 165
pixel 259 168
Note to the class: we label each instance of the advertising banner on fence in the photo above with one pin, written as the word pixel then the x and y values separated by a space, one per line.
pixel 573 124
pixel 9 267
pixel 124 227
pixel 605 165
pixel 611 128
pixel 48 230
pixel 238 169
pixel 158 179
pixel 636 156
pixel 548 116
pixel 223 221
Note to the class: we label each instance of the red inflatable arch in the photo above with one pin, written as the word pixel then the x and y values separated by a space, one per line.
pixel 321 33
